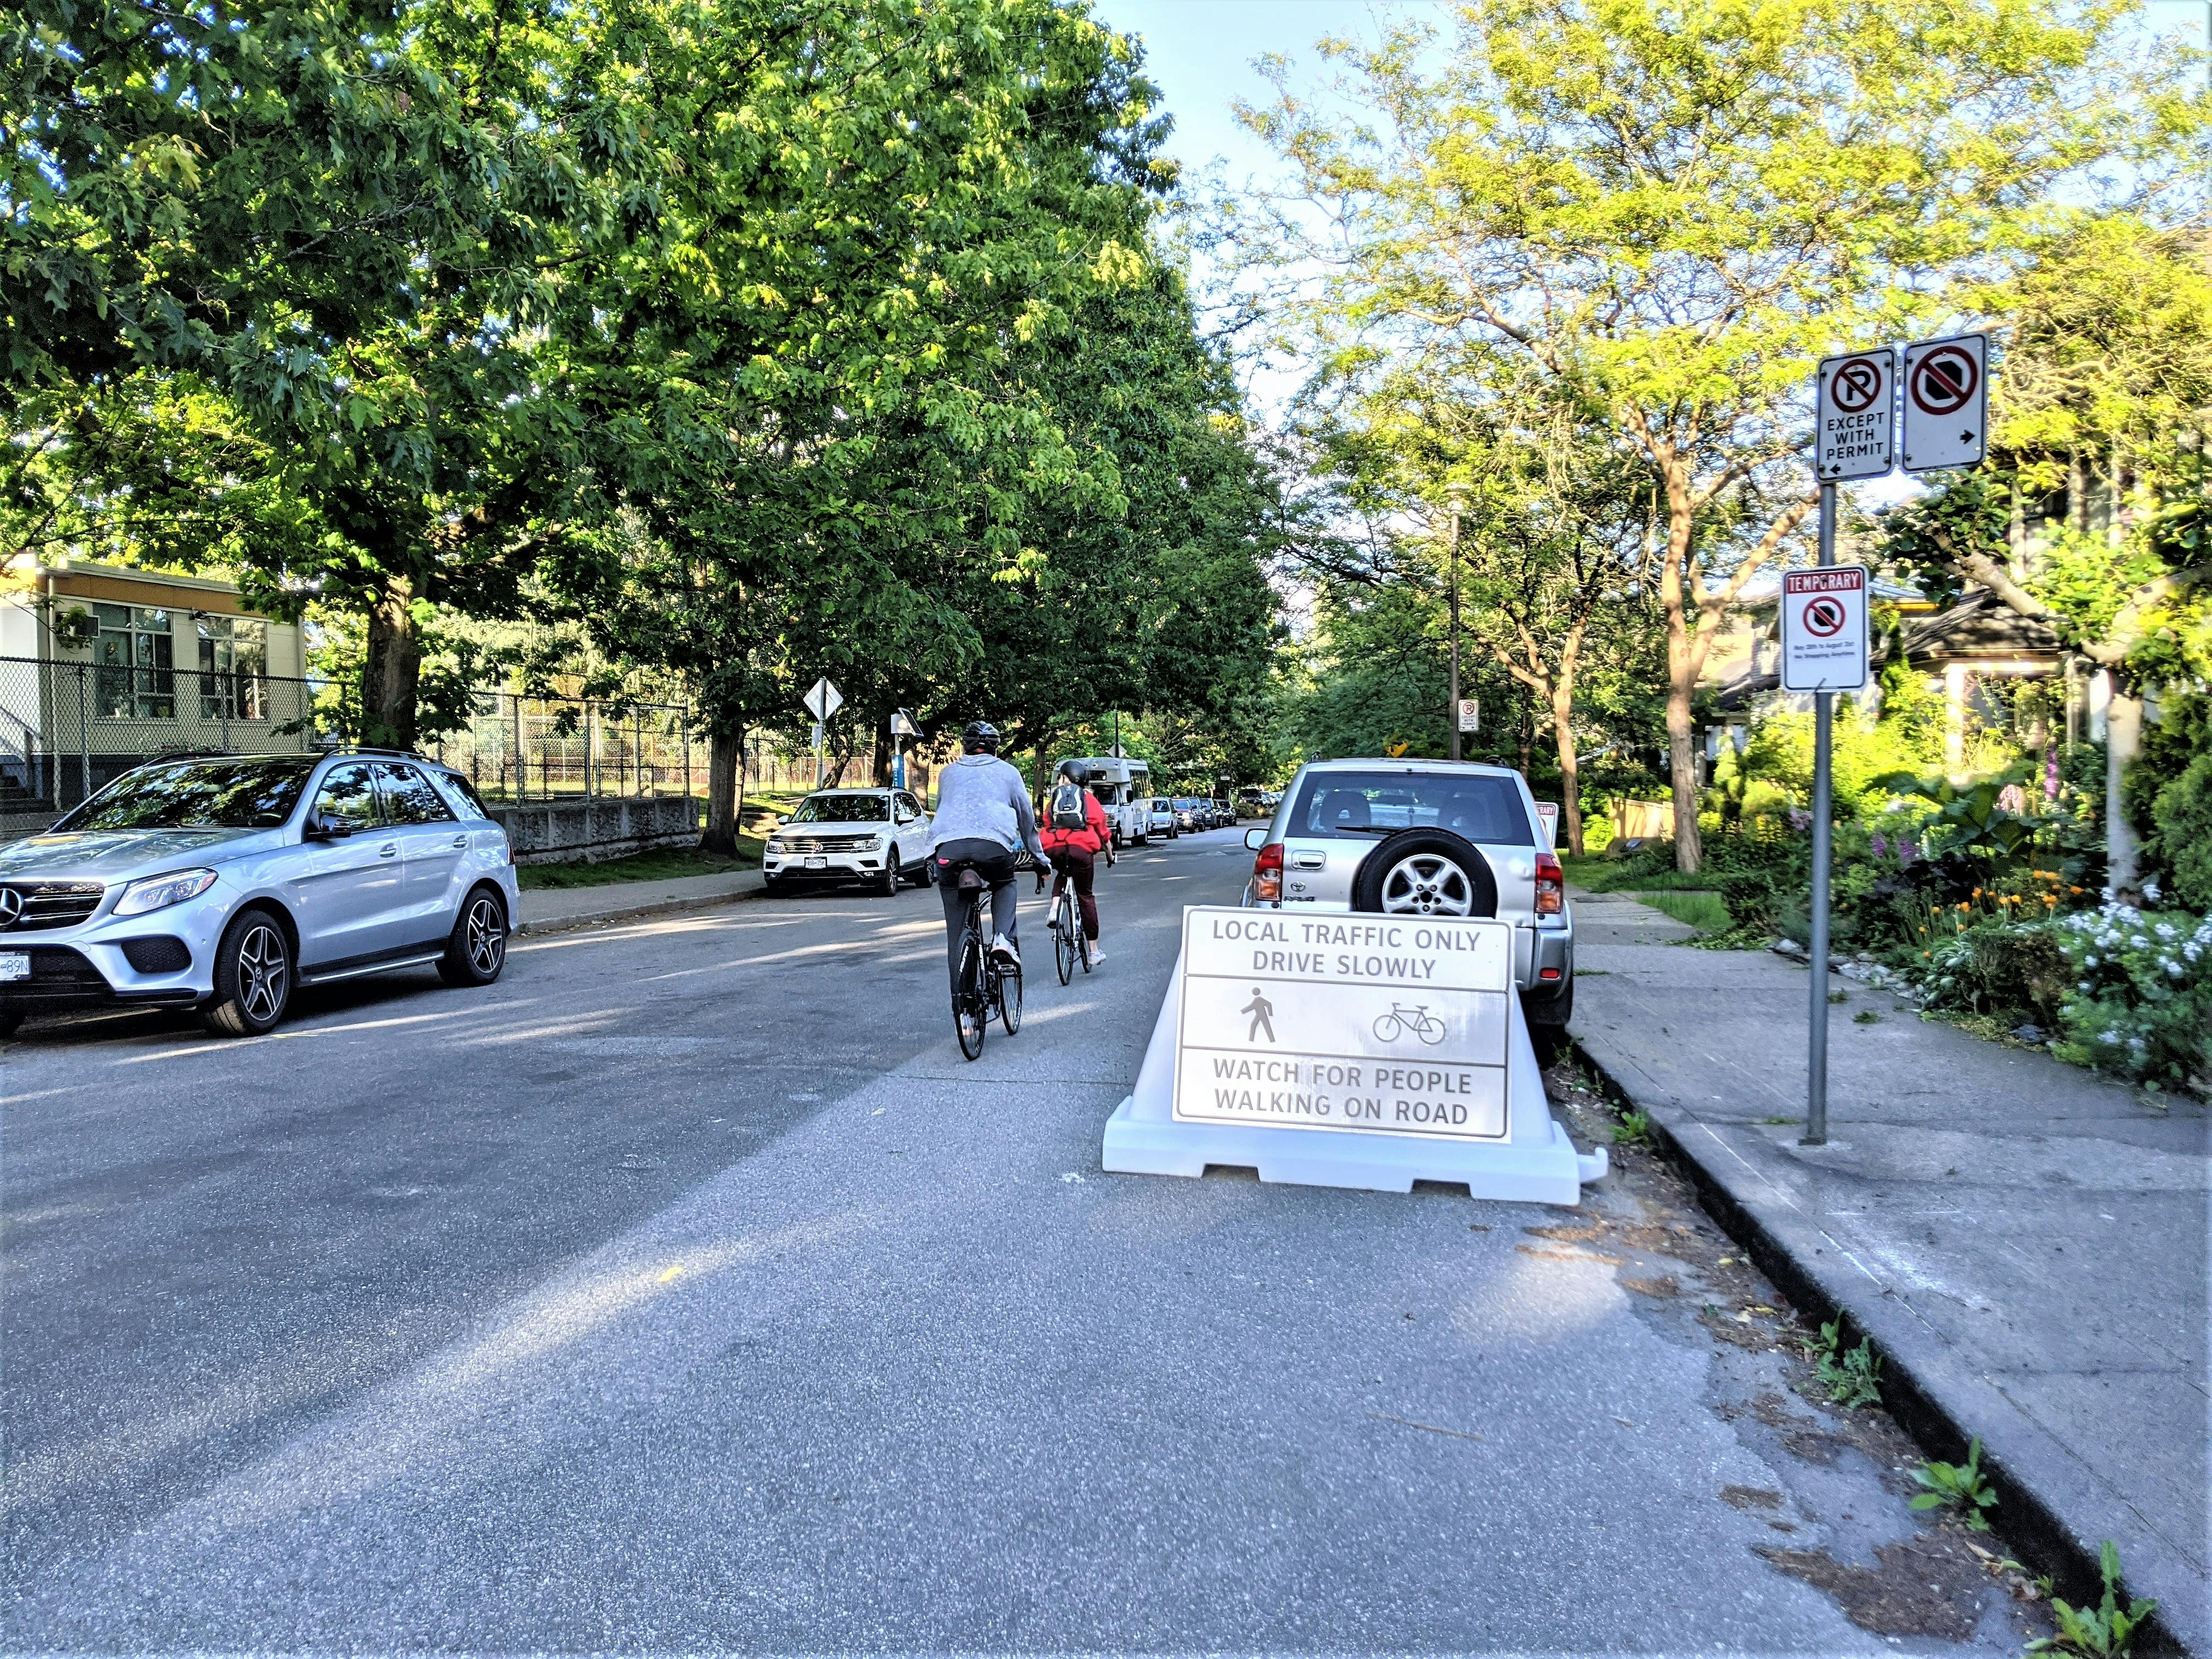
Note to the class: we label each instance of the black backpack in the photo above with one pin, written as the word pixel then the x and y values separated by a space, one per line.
pixel 1067 811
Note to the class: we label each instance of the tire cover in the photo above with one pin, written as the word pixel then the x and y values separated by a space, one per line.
pixel 1392 850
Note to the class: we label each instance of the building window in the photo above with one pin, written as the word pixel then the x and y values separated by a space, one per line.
pixel 233 669
pixel 135 654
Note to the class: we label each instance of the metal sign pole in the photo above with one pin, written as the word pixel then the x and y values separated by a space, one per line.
pixel 1816 1058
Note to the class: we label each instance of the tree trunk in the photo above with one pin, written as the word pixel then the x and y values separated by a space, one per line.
pixel 2123 738
pixel 880 759
pixel 1563 735
pixel 725 768
pixel 392 667
pixel 1682 756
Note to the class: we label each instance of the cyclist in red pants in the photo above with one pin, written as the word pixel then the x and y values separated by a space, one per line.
pixel 1074 834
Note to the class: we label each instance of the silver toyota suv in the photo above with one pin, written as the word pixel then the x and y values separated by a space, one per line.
pixel 1438 838
pixel 226 882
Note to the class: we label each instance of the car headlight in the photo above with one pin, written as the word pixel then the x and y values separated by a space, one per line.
pixel 159 892
pixel 873 844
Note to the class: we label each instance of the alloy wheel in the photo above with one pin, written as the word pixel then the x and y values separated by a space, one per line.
pixel 1427 884
pixel 487 935
pixel 264 973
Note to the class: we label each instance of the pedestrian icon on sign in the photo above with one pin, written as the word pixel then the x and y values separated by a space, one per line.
pixel 1262 1013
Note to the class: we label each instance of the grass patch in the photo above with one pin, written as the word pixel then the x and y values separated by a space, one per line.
pixel 1704 911
pixel 666 865
pixel 1598 875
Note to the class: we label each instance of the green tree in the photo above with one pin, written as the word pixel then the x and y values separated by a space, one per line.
pixel 1678 207
pixel 2107 376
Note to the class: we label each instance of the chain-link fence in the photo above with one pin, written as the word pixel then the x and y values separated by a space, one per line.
pixel 69 728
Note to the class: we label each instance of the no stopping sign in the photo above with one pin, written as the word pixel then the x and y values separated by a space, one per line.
pixel 1824 628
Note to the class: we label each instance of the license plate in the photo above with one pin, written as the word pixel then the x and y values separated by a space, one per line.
pixel 817 864
pixel 15 965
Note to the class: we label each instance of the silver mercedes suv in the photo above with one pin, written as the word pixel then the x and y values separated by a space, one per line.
pixel 1443 838
pixel 226 882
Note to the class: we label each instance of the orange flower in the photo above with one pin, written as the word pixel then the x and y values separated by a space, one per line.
pixel 2051 898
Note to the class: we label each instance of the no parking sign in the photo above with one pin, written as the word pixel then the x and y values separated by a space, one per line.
pixel 1824 628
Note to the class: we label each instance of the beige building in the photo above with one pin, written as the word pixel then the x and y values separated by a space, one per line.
pixel 105 666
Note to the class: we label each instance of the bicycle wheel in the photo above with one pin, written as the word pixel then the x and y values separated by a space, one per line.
pixel 1064 938
pixel 1009 1000
pixel 971 1014
pixel 1083 949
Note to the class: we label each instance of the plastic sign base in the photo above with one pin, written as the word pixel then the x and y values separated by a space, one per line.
pixel 1534 1162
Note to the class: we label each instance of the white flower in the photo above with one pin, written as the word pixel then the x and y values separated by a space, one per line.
pixel 2150 891
pixel 2088 962
pixel 2086 986
pixel 2164 930
pixel 2136 1044
pixel 2173 968
pixel 2108 1036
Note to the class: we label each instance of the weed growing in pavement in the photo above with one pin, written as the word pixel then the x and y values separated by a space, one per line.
pixel 1634 1129
pixel 1866 1017
pixel 1839 996
pixel 2105 1632
pixel 1777 1119
pixel 1958 1483
pixel 1852 1377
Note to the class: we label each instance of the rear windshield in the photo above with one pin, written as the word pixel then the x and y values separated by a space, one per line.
pixel 841 809
pixel 216 794
pixel 1348 806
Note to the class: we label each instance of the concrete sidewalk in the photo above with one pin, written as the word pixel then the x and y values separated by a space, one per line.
pixel 2025 1244
pixel 558 910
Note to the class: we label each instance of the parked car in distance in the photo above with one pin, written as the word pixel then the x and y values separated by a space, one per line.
pixel 1190 814
pixel 226 882
pixel 1439 838
pixel 1160 818
pixel 1224 814
pixel 878 836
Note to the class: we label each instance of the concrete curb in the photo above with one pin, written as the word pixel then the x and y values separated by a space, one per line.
pixel 1921 1386
pixel 612 913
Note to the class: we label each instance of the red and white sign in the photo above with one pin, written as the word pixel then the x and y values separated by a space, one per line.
pixel 1947 401
pixel 1854 415
pixel 1824 628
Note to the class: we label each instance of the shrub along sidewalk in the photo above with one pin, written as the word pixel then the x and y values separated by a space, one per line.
pixel 2025 1243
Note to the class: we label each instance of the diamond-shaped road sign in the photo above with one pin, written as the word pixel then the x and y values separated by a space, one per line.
pixel 825 700
pixel 1947 401
pixel 1854 425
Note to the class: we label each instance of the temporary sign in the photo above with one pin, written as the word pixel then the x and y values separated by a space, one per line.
pixel 824 699
pixel 1470 715
pixel 1824 628
pixel 1344 1021
pixel 1854 424
pixel 1947 401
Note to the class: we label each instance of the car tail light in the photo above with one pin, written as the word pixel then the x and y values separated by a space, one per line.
pixel 1267 874
pixel 1551 885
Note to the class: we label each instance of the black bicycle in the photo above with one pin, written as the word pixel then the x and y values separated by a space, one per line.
pixel 1069 946
pixel 987 985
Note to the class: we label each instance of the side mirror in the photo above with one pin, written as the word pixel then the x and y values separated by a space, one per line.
pixel 1255 839
pixel 324 826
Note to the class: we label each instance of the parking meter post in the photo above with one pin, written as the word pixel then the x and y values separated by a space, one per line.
pixel 1816 1066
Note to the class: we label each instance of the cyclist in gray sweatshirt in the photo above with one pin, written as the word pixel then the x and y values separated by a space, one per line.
pixel 983 820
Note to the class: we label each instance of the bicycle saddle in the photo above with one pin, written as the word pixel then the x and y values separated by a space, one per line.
pixel 969 882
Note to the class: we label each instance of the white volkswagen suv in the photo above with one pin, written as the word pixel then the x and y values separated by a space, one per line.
pixel 879 836
pixel 225 883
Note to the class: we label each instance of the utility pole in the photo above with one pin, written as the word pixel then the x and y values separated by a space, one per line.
pixel 1455 494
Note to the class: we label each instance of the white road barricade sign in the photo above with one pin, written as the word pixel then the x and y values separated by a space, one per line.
pixel 1855 420
pixel 1350 1022
pixel 1824 628
pixel 1347 1049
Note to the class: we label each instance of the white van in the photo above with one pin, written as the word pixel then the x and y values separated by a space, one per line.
pixel 1123 788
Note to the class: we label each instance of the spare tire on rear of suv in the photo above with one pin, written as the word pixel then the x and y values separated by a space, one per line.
pixel 1425 872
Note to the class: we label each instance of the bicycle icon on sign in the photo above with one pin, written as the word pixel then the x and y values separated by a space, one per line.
pixel 1418 1021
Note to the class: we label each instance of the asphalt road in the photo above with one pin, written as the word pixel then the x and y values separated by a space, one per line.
pixel 687 1290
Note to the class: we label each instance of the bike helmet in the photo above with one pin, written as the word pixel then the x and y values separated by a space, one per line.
pixel 980 735
pixel 1075 771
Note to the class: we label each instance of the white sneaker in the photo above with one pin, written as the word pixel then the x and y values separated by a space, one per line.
pixel 1097 955
pixel 1003 948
